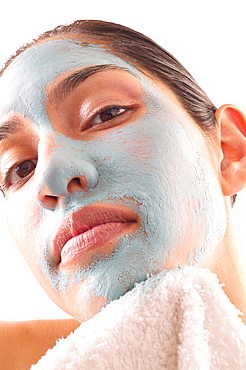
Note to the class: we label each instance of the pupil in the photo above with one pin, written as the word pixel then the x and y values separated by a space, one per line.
pixel 109 114
pixel 25 168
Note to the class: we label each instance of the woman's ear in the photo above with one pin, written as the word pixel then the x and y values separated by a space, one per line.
pixel 232 124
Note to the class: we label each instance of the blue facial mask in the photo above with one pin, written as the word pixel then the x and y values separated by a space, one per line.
pixel 154 166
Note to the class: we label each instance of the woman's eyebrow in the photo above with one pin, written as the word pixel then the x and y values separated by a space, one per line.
pixel 9 127
pixel 65 87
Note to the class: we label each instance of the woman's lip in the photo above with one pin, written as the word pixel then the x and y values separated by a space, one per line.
pixel 98 236
pixel 89 228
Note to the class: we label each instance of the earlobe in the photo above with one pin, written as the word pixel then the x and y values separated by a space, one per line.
pixel 232 124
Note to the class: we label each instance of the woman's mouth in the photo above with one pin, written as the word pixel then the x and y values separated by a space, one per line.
pixel 91 230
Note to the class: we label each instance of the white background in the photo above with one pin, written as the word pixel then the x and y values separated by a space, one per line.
pixel 208 37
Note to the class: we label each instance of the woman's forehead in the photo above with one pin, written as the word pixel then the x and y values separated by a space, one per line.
pixel 23 85
pixel 24 81
pixel 62 54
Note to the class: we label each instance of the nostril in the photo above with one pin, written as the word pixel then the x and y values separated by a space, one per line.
pixel 49 201
pixel 77 184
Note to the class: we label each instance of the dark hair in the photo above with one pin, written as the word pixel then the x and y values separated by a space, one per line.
pixel 147 56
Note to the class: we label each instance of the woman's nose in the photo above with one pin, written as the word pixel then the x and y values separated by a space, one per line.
pixel 60 172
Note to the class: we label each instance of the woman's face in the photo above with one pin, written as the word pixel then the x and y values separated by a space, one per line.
pixel 106 178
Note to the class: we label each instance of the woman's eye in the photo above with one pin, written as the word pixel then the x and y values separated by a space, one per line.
pixel 21 171
pixel 107 114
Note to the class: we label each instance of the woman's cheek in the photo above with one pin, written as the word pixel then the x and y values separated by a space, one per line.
pixel 23 217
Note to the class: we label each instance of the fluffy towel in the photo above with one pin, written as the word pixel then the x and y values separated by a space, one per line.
pixel 181 319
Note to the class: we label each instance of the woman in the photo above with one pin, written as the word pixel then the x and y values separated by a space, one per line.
pixel 118 165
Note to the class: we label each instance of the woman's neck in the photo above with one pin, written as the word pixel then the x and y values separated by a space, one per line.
pixel 226 262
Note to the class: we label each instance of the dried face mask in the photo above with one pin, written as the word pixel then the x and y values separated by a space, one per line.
pixel 152 165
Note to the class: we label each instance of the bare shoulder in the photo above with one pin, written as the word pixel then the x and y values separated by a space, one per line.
pixel 23 343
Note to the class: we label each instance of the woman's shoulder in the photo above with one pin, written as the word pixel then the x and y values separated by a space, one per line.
pixel 22 343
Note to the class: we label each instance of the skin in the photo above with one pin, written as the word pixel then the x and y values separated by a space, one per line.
pixel 207 172
pixel 24 342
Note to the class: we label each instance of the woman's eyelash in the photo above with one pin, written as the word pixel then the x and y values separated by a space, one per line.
pixel 6 177
pixel 109 113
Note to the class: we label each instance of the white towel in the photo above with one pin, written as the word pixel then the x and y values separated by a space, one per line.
pixel 181 319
